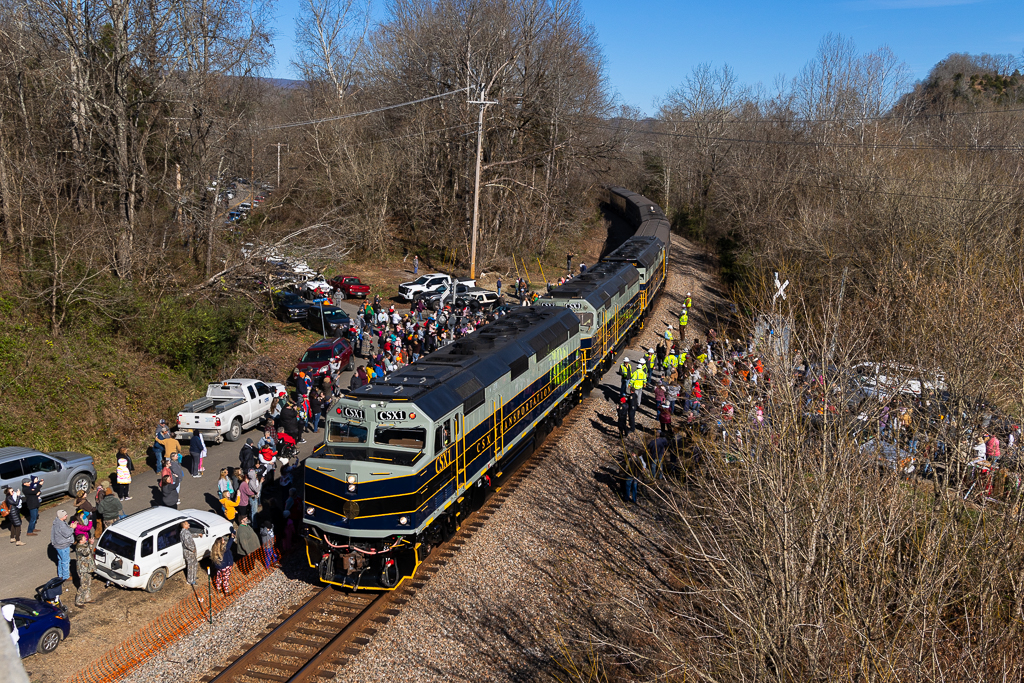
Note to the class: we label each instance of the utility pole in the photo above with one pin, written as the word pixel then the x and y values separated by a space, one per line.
pixel 279 145
pixel 476 191
pixel 252 173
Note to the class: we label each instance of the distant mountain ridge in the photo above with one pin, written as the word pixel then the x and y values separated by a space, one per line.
pixel 286 83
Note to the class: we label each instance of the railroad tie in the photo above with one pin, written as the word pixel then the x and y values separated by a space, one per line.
pixel 260 675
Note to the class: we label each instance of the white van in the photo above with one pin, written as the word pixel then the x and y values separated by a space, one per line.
pixel 143 549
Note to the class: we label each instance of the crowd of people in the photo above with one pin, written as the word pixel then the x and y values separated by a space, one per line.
pixel 388 340
pixel 691 383
pixel 260 489
pixel 719 387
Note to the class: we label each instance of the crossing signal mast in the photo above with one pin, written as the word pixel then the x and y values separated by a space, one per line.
pixel 483 102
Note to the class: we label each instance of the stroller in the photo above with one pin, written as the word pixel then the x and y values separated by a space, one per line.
pixel 51 591
pixel 287 448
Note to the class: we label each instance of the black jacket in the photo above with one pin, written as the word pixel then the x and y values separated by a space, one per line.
pixel 247 458
pixel 14 507
pixel 30 496
pixel 289 421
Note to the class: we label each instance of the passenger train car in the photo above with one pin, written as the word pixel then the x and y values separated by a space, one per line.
pixel 404 460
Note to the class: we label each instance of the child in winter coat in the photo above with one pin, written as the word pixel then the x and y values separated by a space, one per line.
pixel 269 552
pixel 123 477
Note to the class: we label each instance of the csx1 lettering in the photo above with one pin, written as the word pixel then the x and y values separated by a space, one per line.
pixel 391 415
pixel 356 413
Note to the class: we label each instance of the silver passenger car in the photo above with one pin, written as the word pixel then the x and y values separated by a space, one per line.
pixel 63 472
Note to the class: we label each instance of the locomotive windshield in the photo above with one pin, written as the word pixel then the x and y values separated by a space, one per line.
pixel 403 437
pixel 346 432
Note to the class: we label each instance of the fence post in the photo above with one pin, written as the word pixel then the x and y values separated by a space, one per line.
pixel 209 592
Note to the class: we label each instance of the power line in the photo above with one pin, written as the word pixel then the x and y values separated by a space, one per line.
pixel 913 180
pixel 850 119
pixel 414 135
pixel 863 191
pixel 803 143
pixel 364 113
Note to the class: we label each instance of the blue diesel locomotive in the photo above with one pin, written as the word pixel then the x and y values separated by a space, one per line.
pixel 404 460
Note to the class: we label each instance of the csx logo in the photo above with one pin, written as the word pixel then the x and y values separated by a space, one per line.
pixel 443 461
pixel 390 415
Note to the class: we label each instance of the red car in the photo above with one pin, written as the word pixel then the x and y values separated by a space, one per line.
pixel 315 361
pixel 349 287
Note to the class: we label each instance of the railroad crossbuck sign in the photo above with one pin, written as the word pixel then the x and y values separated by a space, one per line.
pixel 780 289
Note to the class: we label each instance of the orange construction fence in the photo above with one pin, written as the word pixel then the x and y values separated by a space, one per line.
pixel 182 618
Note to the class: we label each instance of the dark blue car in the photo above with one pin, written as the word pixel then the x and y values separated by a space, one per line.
pixel 41 626
pixel 291 307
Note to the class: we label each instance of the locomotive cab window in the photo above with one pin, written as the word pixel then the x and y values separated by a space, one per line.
pixel 344 432
pixel 410 439
pixel 403 437
pixel 442 437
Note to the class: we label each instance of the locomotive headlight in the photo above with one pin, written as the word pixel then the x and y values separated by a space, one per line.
pixel 351 488
pixel 309 511
pixel 351 478
pixel 403 520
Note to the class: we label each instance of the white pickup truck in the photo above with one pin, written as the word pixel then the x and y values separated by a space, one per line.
pixel 228 408
pixel 424 284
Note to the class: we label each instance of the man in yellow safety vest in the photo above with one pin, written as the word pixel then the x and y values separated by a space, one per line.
pixel 625 371
pixel 639 379
pixel 671 363
pixel 683 319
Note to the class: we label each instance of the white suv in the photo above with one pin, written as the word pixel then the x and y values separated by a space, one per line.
pixel 143 549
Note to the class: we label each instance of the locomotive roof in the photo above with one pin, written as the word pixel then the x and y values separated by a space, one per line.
pixel 457 373
pixel 642 250
pixel 658 227
pixel 646 208
pixel 598 285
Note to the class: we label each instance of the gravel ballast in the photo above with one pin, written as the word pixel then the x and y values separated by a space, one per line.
pixel 190 657
pixel 497 610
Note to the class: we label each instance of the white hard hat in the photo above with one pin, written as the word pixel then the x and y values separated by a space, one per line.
pixel 687 294
pixel 643 361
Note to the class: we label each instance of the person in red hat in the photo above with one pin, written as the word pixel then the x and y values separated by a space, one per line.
pixel 622 412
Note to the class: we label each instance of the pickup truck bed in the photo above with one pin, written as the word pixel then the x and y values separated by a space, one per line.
pixel 229 408
pixel 214 406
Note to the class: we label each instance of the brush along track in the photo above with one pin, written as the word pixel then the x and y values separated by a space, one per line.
pixel 316 640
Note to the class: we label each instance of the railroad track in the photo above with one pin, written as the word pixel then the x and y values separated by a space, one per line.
pixel 317 638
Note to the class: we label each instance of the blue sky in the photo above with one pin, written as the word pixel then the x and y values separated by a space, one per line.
pixel 651 45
